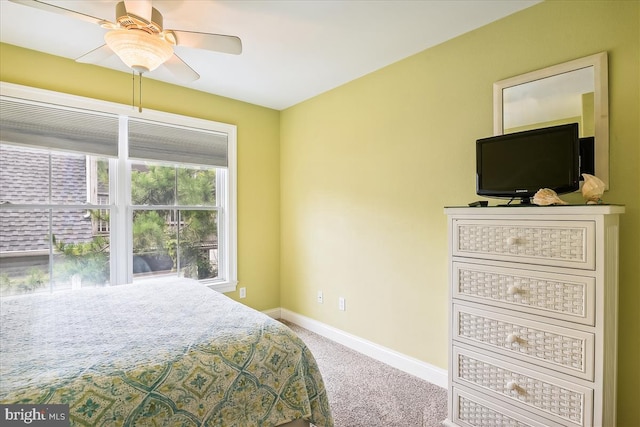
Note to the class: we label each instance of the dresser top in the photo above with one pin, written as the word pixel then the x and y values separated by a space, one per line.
pixel 535 210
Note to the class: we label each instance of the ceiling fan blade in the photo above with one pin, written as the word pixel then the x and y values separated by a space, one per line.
pixel 96 55
pixel 141 8
pixel 180 69
pixel 207 41
pixel 61 10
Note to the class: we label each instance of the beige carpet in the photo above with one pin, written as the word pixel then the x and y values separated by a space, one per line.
pixel 366 393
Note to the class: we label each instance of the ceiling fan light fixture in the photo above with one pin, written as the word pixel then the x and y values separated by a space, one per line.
pixel 138 49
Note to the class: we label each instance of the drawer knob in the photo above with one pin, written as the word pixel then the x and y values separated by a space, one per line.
pixel 512 241
pixel 513 290
pixel 512 338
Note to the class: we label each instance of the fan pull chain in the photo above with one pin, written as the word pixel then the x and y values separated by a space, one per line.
pixel 133 90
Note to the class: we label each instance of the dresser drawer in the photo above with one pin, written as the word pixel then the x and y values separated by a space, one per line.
pixel 561 401
pixel 473 411
pixel 560 296
pixel 554 347
pixel 554 243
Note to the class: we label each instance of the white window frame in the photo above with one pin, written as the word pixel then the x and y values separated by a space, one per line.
pixel 120 171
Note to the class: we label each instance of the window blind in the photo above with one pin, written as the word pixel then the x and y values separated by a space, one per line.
pixel 57 127
pixel 158 141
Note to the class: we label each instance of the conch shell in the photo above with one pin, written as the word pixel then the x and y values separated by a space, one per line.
pixel 592 189
pixel 547 197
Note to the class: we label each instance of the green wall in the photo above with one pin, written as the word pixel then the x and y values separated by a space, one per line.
pixel 258 150
pixel 345 192
pixel 367 168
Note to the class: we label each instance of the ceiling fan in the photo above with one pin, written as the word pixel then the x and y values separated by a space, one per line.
pixel 140 41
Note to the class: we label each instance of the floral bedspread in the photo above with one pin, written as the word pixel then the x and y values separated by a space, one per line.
pixel 171 353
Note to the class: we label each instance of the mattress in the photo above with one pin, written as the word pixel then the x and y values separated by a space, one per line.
pixel 169 352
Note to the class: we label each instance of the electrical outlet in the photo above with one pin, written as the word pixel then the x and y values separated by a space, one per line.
pixel 243 292
pixel 341 304
pixel 320 297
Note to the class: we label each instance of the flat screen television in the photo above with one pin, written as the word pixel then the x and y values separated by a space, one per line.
pixel 517 165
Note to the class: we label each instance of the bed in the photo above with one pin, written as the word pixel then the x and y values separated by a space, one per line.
pixel 157 353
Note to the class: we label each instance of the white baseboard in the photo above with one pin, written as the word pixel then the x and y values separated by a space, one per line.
pixel 408 364
pixel 273 313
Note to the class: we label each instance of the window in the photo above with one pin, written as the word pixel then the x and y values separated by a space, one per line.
pixel 47 240
pixel 175 220
pixel 98 193
pixel 93 194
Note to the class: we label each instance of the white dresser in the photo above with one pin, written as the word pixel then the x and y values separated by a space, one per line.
pixel 533 316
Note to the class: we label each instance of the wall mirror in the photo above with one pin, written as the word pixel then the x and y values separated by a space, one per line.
pixel 574 91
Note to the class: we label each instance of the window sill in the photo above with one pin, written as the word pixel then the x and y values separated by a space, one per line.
pixel 219 286
pixel 222 287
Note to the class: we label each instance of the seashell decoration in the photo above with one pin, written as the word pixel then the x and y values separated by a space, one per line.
pixel 547 197
pixel 592 189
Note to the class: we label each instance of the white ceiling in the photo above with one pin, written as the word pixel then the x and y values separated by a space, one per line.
pixel 292 49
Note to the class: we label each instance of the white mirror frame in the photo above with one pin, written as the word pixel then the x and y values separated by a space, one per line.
pixel 601 102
